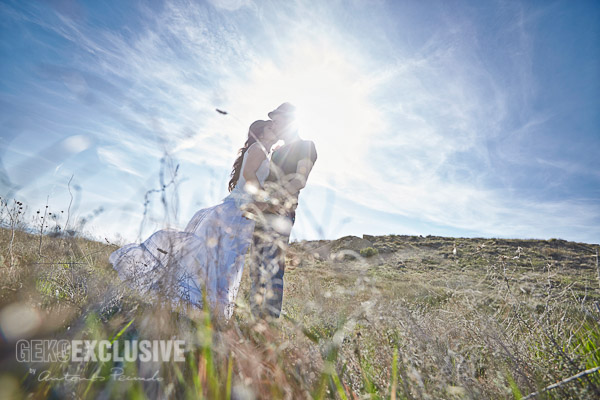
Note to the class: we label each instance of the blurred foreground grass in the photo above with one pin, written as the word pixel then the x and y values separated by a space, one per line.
pixel 410 318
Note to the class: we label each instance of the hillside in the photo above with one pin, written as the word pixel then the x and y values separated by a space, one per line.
pixel 379 316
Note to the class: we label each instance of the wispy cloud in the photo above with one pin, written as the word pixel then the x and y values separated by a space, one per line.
pixel 430 118
pixel 117 158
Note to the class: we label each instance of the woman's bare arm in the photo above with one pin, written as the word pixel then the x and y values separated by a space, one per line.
pixel 255 157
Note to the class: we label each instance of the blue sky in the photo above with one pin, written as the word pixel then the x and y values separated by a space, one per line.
pixel 454 118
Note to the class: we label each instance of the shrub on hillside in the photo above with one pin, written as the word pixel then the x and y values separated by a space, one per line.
pixel 368 252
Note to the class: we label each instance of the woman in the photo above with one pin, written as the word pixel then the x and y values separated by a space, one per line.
pixel 210 252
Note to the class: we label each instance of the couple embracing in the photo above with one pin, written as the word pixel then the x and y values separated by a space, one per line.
pixel 206 260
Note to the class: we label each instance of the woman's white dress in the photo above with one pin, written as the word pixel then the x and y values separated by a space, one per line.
pixel 209 254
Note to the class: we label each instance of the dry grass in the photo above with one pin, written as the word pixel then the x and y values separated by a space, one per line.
pixel 423 318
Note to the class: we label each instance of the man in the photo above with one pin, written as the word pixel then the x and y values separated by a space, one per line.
pixel 290 166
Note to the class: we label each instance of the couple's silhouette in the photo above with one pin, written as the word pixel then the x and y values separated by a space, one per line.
pixel 209 254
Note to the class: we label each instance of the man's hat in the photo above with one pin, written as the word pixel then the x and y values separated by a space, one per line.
pixel 285 108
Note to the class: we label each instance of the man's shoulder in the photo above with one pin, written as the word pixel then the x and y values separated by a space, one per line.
pixel 308 144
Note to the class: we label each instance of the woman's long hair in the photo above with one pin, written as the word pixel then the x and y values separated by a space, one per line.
pixel 254 133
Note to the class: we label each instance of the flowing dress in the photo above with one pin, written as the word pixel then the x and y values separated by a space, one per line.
pixel 208 254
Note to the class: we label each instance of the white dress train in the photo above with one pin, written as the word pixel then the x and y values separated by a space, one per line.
pixel 209 254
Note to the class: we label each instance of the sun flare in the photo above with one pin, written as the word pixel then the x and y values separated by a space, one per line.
pixel 332 99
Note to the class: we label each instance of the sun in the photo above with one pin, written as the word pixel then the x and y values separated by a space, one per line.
pixel 333 102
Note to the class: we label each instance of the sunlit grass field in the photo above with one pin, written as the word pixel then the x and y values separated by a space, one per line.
pixel 388 317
